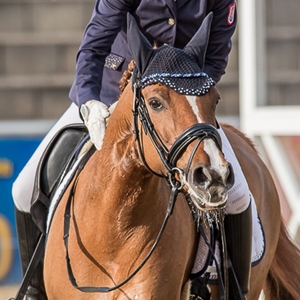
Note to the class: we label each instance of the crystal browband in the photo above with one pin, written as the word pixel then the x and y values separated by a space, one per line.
pixel 171 80
pixel 201 74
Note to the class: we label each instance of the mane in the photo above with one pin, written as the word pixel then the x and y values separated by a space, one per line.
pixel 126 76
pixel 128 73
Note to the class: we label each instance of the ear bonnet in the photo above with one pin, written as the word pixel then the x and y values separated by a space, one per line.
pixel 179 69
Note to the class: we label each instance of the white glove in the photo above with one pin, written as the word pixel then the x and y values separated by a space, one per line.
pixel 94 114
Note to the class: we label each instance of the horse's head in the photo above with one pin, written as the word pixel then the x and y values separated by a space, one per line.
pixel 176 101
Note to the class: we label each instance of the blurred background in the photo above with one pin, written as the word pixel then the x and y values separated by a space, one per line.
pixel 38 44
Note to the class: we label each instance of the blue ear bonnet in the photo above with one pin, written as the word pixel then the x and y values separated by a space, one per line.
pixel 178 70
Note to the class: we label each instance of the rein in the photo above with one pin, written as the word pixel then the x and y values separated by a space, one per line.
pixel 104 289
pixel 169 159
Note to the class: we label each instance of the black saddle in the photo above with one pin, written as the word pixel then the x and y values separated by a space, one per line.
pixel 56 161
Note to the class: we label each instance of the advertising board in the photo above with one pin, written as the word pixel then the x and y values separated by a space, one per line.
pixel 14 153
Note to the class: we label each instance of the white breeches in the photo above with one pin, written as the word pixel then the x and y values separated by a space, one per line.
pixel 239 194
pixel 23 186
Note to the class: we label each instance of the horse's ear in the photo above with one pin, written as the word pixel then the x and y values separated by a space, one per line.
pixel 140 48
pixel 198 44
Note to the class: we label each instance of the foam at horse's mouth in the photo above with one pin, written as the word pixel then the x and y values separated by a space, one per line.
pixel 202 200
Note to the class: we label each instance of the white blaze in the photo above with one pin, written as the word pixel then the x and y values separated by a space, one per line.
pixel 193 104
pixel 209 145
pixel 212 151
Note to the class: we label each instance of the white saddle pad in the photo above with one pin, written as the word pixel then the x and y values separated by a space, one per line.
pixel 258 246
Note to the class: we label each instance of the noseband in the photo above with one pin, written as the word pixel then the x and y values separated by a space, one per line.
pixel 169 157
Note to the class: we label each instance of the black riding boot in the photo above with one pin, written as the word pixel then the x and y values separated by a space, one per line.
pixel 28 235
pixel 238 229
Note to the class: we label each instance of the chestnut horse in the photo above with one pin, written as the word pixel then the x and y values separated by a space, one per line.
pixel 121 243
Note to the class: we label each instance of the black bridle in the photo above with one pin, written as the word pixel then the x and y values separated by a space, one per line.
pixel 168 157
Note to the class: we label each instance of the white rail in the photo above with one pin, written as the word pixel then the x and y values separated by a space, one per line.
pixel 257 120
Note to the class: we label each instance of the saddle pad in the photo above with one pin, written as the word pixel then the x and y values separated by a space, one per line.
pixel 258 246
pixel 65 183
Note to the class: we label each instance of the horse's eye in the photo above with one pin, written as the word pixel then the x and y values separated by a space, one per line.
pixel 156 104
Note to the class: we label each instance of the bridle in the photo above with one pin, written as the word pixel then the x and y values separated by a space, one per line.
pixel 169 159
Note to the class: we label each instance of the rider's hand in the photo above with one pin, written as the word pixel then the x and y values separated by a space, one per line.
pixel 95 115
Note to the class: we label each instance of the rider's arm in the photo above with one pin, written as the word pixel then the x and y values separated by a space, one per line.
pixel 107 20
pixel 222 29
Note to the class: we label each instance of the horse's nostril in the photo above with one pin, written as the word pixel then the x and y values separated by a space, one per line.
pixel 203 177
pixel 230 177
pixel 199 177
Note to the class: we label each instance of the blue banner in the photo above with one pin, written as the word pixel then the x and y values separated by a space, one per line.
pixel 14 154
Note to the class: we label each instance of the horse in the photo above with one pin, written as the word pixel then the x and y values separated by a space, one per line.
pixel 130 230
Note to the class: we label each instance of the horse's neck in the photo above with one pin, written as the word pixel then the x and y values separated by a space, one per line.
pixel 115 184
pixel 118 199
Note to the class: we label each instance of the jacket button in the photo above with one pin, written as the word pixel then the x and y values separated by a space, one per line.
pixel 171 21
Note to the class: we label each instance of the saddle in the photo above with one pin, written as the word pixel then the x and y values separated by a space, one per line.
pixel 57 159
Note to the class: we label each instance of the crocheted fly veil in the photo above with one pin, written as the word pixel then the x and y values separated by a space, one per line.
pixel 179 69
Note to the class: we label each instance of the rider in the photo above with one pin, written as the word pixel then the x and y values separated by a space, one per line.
pixel 102 58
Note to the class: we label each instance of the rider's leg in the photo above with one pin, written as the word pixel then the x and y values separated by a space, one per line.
pixel 238 220
pixel 28 235
pixel 238 227
pixel 22 192
pixel 23 186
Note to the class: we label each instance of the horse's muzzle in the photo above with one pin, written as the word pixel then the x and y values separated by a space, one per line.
pixel 209 187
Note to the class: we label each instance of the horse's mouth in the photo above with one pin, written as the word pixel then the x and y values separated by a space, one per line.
pixel 207 200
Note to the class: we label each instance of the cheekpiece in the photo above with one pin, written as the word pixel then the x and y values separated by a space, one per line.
pixel 178 70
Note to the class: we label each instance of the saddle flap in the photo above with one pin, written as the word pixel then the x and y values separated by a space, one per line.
pixel 54 163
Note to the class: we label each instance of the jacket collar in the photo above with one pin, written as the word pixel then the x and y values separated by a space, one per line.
pixel 173 4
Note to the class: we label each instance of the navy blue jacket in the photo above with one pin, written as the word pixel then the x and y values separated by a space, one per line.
pixel 172 22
